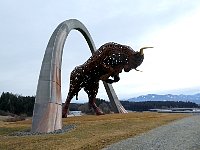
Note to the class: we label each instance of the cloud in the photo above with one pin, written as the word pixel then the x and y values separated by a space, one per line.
pixel 172 64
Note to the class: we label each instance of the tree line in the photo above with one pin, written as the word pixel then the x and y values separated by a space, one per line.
pixel 147 105
pixel 17 104
pixel 133 106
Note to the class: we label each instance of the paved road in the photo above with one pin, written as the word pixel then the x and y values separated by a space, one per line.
pixel 183 134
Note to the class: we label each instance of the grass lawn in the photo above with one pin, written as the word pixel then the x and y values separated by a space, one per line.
pixel 91 132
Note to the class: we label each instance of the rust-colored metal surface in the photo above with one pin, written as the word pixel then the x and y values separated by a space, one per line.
pixel 108 61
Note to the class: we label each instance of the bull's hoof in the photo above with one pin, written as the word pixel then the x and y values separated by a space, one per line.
pixel 64 113
pixel 109 81
pixel 99 112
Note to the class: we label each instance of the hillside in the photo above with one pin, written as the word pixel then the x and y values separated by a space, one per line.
pixel 168 97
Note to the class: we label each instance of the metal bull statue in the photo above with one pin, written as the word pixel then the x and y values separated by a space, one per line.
pixel 108 61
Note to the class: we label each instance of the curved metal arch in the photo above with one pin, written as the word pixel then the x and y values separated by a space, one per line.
pixel 47 115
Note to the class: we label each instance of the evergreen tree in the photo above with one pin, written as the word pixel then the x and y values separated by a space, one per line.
pixel 17 104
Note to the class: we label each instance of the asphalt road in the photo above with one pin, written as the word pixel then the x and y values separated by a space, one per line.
pixel 183 134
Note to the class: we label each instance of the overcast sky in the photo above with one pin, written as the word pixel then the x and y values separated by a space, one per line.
pixel 172 27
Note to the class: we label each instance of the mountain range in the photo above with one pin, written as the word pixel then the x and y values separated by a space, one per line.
pixel 168 97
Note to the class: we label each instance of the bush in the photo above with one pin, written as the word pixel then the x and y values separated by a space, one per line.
pixel 15 118
pixel 3 113
pixel 105 108
pixel 85 109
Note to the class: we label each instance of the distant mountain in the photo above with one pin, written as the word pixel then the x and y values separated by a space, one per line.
pixel 168 97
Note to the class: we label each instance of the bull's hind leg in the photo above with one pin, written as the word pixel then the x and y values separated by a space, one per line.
pixel 92 90
pixel 75 87
pixel 73 90
pixel 66 105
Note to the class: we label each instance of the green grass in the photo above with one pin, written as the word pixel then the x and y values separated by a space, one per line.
pixel 91 132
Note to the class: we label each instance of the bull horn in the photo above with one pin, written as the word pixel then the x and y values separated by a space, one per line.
pixel 141 50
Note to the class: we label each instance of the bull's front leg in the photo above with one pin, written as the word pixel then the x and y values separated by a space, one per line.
pixel 116 79
pixel 92 104
pixel 92 90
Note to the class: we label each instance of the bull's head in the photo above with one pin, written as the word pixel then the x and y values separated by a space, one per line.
pixel 135 60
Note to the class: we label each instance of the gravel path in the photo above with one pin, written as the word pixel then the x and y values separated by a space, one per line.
pixel 64 129
pixel 183 134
